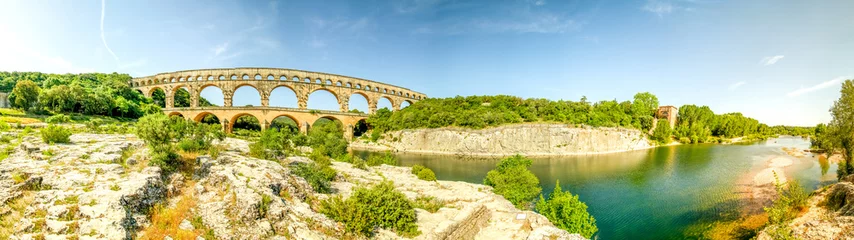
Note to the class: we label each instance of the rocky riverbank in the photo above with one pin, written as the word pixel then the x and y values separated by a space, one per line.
pixel 830 214
pixel 100 187
pixel 525 139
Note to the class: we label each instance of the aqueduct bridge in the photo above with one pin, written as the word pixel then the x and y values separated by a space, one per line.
pixel 265 80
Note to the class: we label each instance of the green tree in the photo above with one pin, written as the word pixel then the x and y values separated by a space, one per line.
pixel 512 179
pixel 26 94
pixel 662 132
pixel 567 212
pixel 842 128
pixel 644 104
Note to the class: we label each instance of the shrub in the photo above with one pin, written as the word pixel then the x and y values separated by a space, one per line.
pixel 423 173
pixel 567 212
pixel 429 203
pixel 58 118
pixel 55 134
pixel 512 179
pixel 379 206
pixel 154 130
pixel 386 158
pixel 166 159
pixel 94 125
pixel 328 135
pixel 790 201
pixel 662 132
pixel 318 176
pixel 376 135
pixel 4 126
pixel 272 144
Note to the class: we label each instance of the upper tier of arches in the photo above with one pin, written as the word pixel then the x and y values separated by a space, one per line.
pixel 265 80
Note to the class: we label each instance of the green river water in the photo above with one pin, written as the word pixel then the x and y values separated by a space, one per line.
pixel 661 193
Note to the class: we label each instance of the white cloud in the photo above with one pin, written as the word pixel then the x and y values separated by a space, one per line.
pixel 736 85
pixel 103 38
pixel 660 8
pixel 545 23
pixel 219 49
pixel 823 85
pixel 767 61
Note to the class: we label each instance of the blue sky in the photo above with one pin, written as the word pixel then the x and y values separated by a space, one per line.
pixel 778 61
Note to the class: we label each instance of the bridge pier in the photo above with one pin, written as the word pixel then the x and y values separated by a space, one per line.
pixel 348 132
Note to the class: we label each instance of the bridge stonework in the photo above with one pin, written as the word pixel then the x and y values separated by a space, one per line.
pixel 265 80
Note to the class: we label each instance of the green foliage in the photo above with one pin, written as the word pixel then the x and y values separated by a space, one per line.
pixel 165 158
pixel 485 111
pixel 423 173
pixel 644 104
pixel 58 118
pixel 328 135
pixel 836 136
pixel 25 94
pixel 4 126
pixel 380 206
pixel 429 203
pixel 273 144
pixel 566 212
pixel 791 199
pixel 512 179
pixel 55 134
pixel 386 158
pixel 247 122
pixel 159 132
pixel 154 130
pixel 662 132
pixel 316 174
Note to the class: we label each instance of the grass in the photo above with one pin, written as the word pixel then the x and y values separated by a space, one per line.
pixel 11 112
pixel 165 220
pixel 429 203
pixel 21 120
pixel 10 220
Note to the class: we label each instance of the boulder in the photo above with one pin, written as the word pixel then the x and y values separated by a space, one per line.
pixel 841 198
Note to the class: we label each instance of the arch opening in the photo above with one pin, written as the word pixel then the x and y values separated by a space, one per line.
pixel 285 122
pixel 245 125
pixel 384 102
pixel 358 103
pixel 159 97
pixel 176 114
pixel 283 96
pixel 207 118
pixel 360 128
pixel 211 96
pixel 323 99
pixel 181 98
pixel 405 104
pixel 246 95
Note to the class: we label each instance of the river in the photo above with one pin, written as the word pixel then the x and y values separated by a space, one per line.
pixel 662 193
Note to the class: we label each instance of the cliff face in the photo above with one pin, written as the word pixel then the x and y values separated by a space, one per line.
pixel 526 139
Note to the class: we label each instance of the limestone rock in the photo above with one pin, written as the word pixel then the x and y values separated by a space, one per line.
pixel 528 139
pixel 186 225
pixel 841 198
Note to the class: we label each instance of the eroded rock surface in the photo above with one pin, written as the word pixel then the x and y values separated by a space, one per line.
pixel 830 215
pixel 527 139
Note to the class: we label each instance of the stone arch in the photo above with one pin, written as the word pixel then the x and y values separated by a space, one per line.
pixel 385 102
pixel 233 121
pixel 327 117
pixel 240 100
pixel 357 103
pixel 171 114
pixel 295 79
pixel 201 116
pixel 360 128
pixel 245 77
pixel 349 85
pixel 176 91
pixel 258 77
pixel 328 82
pixel 210 78
pixel 221 77
pixel 271 77
pixel 284 96
pixel 323 100
pixel 276 123
pixel 338 83
pixel 307 80
pixel 216 97
pixel 233 77
pixel 405 103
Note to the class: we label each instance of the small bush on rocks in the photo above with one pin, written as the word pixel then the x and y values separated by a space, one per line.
pixel 58 118
pixel 423 173
pixel 512 179
pixel 55 134
pixel 386 158
pixel 317 175
pixel 567 212
pixel 367 208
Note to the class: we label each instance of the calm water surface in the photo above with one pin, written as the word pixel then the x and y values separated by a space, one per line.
pixel 661 193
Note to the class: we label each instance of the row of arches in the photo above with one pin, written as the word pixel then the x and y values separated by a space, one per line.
pixel 238 122
pixel 281 96
pixel 379 88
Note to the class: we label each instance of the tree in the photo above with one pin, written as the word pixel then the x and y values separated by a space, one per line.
pixel 662 132
pixel 512 179
pixel 567 212
pixel 26 94
pixel 842 128
pixel 645 104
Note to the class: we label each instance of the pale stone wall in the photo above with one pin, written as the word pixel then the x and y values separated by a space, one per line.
pixel 4 100
pixel 526 139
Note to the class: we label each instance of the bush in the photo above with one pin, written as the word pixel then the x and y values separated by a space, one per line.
pixel 790 201
pixel 272 144
pixel 566 212
pixel 662 132
pixel 512 179
pixel 55 134
pixel 386 158
pixel 94 125
pixel 154 130
pixel 165 158
pixel 4 126
pixel 429 203
pixel 423 173
pixel 58 118
pixel 379 206
pixel 317 175
pixel 328 135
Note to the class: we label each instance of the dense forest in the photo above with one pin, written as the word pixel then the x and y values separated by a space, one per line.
pixel 695 124
pixel 87 93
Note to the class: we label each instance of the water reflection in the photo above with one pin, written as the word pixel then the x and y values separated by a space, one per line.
pixel 649 194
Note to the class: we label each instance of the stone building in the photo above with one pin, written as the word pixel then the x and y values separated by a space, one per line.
pixel 4 100
pixel 667 112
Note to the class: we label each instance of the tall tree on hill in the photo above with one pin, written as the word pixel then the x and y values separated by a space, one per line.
pixel 842 128
pixel 26 94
